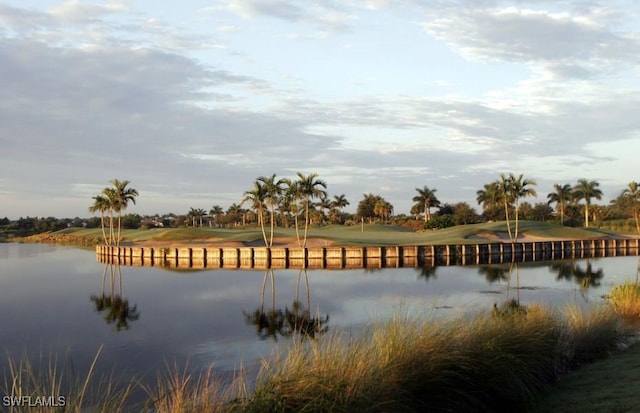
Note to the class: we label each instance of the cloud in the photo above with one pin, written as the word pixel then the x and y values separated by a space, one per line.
pixel 569 45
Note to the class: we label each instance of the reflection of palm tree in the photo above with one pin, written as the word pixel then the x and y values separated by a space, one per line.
pixel 299 319
pixel 585 278
pixel 426 272
pixel 117 308
pixel 494 273
pixel 274 322
pixel 268 323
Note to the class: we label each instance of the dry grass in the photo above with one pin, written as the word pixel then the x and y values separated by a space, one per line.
pixel 625 299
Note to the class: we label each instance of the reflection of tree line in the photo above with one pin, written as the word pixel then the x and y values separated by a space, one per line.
pixel 116 308
pixel 275 322
pixel 584 276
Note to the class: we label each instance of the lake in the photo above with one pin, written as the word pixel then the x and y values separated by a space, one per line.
pixel 61 301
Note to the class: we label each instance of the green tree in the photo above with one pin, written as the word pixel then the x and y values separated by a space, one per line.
pixel 272 192
pixel 491 200
pixel 561 197
pixel 309 187
pixel 521 187
pixel 101 204
pixel 425 200
pixel 216 212
pixel 632 193
pixel 587 190
pixel 339 202
pixel 256 198
pixel 505 191
pixel 121 196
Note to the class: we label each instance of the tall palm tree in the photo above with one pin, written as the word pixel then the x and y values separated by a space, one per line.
pixel 310 187
pixel 272 192
pixel 425 200
pixel 122 196
pixel 562 195
pixel 101 203
pixel 632 191
pixel 110 195
pixel 521 187
pixel 587 190
pixel 256 197
pixel 504 185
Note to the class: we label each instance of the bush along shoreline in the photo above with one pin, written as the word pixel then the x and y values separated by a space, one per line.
pixel 498 360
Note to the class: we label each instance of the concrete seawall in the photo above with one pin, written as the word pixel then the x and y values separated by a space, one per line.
pixel 364 256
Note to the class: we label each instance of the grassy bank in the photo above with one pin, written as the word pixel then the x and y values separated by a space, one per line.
pixel 500 360
pixel 371 234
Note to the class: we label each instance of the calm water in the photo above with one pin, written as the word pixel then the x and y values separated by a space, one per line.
pixel 57 300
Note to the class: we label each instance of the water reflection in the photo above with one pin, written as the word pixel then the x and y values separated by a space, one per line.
pixel 585 277
pixel 275 322
pixel 427 272
pixel 116 308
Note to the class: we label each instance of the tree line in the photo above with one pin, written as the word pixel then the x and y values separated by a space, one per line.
pixel 304 201
pixel 277 202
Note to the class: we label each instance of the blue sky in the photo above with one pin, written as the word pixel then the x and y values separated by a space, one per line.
pixel 193 100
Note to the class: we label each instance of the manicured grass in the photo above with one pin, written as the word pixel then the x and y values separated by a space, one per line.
pixel 370 234
pixel 609 385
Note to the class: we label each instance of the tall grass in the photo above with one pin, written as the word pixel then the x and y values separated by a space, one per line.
pixel 57 379
pixel 185 392
pixel 625 299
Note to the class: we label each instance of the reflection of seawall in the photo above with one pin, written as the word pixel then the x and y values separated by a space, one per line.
pixel 365 257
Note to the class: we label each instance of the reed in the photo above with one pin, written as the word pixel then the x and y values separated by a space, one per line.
pixel 53 385
pixel 625 299
pixel 412 364
pixel 589 335
pixel 181 391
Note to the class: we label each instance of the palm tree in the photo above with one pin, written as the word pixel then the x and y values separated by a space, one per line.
pixel 216 211
pixel 101 203
pixel 272 192
pixel 383 209
pixel 633 193
pixel 562 195
pixel 504 186
pixel 121 198
pixel 520 188
pixel 256 197
pixel 426 199
pixel 587 190
pixel 309 187
pixel 235 211
pixel 489 197
pixel 339 202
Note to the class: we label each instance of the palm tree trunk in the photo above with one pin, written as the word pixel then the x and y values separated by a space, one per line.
pixel 272 222
pixel 295 221
pixel 516 232
pixel 261 219
pixel 119 220
pixel 506 213
pixel 111 236
pixel 104 234
pixel 306 223
pixel 586 215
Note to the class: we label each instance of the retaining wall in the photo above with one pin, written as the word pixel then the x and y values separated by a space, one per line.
pixel 365 257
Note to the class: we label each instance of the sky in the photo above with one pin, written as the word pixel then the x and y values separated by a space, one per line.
pixel 193 100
